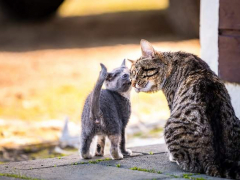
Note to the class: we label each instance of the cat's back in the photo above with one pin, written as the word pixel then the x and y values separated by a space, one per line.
pixel 202 88
pixel 203 96
pixel 197 79
pixel 112 104
pixel 106 101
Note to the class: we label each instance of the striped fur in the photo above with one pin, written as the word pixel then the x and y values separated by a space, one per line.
pixel 202 133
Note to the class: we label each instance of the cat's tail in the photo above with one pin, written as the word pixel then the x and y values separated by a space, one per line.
pixel 95 112
pixel 227 169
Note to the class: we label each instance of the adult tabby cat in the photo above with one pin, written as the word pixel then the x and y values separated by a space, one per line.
pixel 202 133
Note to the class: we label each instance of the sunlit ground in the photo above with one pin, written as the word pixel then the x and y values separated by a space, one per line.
pixel 84 7
pixel 52 84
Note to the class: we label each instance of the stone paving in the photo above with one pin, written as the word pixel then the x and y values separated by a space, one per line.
pixel 147 162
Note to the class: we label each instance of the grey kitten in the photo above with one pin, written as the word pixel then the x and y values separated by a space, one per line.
pixel 106 113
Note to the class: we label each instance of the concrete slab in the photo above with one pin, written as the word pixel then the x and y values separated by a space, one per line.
pixel 86 171
pixel 8 178
pixel 68 160
pixel 147 158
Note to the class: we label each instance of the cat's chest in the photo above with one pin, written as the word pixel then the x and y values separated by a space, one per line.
pixel 123 107
pixel 118 105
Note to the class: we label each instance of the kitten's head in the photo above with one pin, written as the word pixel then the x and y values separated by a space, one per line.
pixel 149 72
pixel 119 79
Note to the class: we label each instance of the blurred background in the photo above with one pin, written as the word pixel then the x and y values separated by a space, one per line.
pixel 49 62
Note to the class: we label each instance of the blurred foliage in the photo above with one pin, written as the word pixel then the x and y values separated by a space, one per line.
pixel 53 84
pixel 51 103
pixel 156 132
pixel 48 154
pixel 149 103
pixel 68 100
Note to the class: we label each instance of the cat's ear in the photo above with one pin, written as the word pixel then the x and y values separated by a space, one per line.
pixel 147 48
pixel 123 63
pixel 131 61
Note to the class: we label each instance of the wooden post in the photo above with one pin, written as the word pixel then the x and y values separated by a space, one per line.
pixel 220 43
pixel 229 40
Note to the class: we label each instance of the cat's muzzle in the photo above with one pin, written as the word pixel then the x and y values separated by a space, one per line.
pixel 137 90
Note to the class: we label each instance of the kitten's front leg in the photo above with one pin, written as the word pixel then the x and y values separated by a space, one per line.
pixel 126 152
pixel 114 150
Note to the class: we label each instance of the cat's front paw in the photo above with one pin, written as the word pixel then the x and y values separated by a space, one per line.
pixel 86 156
pixel 127 152
pixel 116 155
pixel 171 158
pixel 99 154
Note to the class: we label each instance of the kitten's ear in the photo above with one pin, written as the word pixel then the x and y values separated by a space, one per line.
pixel 123 63
pixel 131 61
pixel 147 49
pixel 109 76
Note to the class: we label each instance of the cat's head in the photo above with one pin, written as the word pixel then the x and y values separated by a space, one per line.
pixel 149 72
pixel 119 79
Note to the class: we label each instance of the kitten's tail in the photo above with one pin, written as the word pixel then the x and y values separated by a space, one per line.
pixel 95 112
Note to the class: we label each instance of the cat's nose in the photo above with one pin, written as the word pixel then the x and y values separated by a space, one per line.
pixel 125 76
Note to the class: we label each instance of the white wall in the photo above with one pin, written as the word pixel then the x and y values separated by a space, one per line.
pixel 209 20
pixel 234 91
pixel 209 32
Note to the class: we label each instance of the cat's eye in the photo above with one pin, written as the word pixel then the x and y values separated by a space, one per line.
pixel 150 72
pixel 110 75
pixel 150 69
pixel 133 73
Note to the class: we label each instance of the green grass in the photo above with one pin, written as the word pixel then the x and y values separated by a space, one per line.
pixel 151 153
pixel 156 132
pixel 189 176
pixel 98 161
pixel 92 162
pixel 146 170
pixel 68 100
pixel 49 103
pixel 118 165
pixel 185 176
pixel 43 154
pixel 18 176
